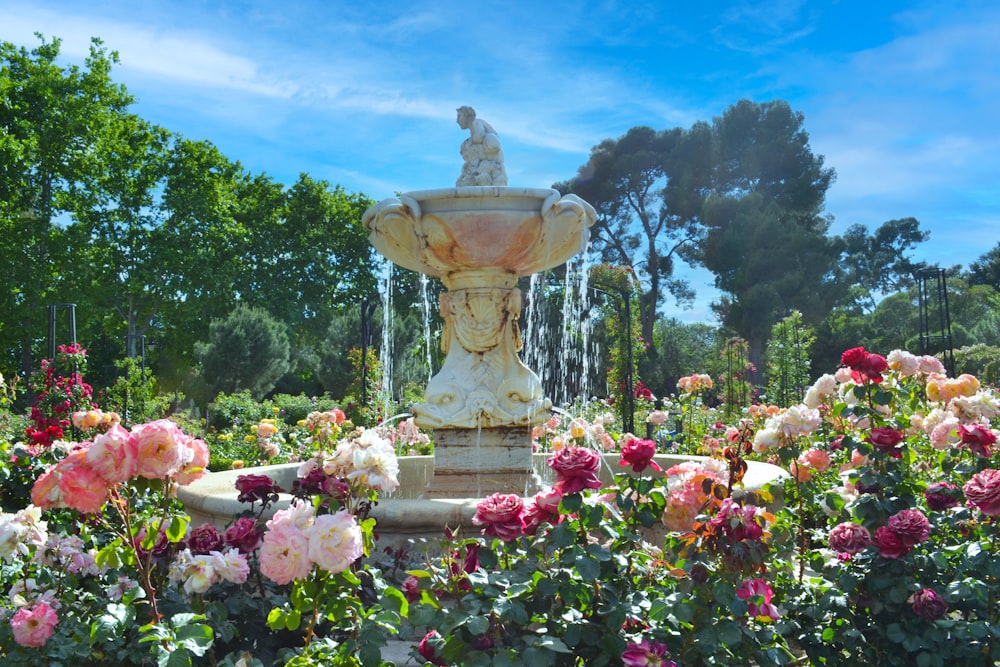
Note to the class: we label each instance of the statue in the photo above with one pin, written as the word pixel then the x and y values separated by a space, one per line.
pixel 481 152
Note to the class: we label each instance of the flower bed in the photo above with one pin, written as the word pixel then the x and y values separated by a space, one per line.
pixel 884 551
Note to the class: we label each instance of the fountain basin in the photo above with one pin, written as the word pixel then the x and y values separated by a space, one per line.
pixel 480 235
pixel 406 515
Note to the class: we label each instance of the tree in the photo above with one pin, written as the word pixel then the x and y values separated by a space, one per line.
pixel 986 269
pixel 50 120
pixel 247 350
pixel 788 352
pixel 641 185
pixel 766 238
pixel 874 265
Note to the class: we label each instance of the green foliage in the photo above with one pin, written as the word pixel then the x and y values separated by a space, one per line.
pixel 133 394
pixel 980 360
pixel 247 350
pixel 625 343
pixel 788 352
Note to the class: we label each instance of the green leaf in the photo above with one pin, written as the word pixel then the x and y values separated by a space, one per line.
pixel 177 528
pixel 394 599
pixel 588 567
pixel 477 625
pixel 276 619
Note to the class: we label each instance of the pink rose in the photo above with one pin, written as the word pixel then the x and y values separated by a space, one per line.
pixel 334 541
pixel 32 626
pixel 849 538
pixel 45 493
pixel 114 455
pixel 428 648
pixel 758 594
pixel 576 469
pixel 983 491
pixel 646 653
pixel 500 515
pixel 161 448
pixel 911 526
pixel 888 543
pixel 543 509
pixel 82 489
pixel 816 458
pixel 639 454
pixel 195 462
pixel 284 554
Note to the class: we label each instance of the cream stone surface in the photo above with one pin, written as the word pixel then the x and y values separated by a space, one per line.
pixel 479 241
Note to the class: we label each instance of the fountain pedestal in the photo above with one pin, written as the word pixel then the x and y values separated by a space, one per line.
pixel 477 463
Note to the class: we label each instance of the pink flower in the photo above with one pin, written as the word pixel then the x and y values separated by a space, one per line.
pixel 543 509
pixel 45 493
pixel 32 626
pixel 284 554
pixel 114 455
pixel 231 566
pixel 501 515
pixel 983 491
pixel 646 654
pixel 639 454
pixel 334 541
pixel 195 462
pixel 928 604
pixel 428 648
pixel 888 543
pixel 758 593
pixel 849 538
pixel 657 417
pixel 576 469
pixel 161 447
pixel 82 489
pixel 911 526
pixel 816 458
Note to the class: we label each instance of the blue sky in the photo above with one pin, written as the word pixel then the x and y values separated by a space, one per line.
pixel 901 98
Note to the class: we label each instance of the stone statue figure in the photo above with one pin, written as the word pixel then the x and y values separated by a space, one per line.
pixel 481 152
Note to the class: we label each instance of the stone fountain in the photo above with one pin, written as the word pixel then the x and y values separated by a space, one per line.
pixel 479 238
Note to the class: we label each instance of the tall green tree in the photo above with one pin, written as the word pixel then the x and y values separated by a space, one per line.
pixel 51 118
pixel 766 238
pixel 873 265
pixel 641 185
pixel 115 237
pixel 985 270
pixel 246 350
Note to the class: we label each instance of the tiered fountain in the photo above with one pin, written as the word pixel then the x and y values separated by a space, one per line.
pixel 478 238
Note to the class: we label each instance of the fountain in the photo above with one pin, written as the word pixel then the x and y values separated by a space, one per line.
pixel 478 238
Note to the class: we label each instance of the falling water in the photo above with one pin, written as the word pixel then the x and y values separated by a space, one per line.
pixel 386 352
pixel 425 303
pixel 561 357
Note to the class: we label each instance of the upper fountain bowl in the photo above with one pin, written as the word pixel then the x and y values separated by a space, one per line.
pixel 454 233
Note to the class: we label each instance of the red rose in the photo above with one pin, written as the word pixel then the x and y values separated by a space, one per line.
pixel 256 488
pixel 576 469
pixel 977 438
pixel 500 515
pixel 203 539
pixel 639 454
pixel 888 543
pixel 983 491
pixel 849 538
pixel 244 534
pixel 911 526
pixel 886 440
pixel 942 496
pixel 928 604
pixel 428 648
pixel 854 357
